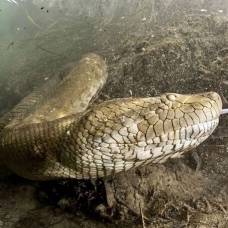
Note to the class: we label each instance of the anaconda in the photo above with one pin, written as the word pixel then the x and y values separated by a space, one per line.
pixel 60 134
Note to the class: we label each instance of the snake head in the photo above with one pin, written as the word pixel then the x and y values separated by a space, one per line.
pixel 120 134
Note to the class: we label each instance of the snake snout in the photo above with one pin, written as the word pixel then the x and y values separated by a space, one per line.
pixel 213 96
pixel 214 100
pixel 209 102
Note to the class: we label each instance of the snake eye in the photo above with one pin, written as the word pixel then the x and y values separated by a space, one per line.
pixel 171 97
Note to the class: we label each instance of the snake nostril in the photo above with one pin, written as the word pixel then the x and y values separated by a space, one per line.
pixel 213 95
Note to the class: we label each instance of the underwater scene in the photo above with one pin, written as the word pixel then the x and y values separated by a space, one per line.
pixel 113 113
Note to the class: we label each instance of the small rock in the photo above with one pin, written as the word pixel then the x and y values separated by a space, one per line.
pixel 103 211
pixel 63 203
pixel 203 10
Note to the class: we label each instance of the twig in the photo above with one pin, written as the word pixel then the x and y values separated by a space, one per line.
pixel 198 161
pixel 142 216
pixel 49 52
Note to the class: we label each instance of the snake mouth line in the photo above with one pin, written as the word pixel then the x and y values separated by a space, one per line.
pixel 210 124
pixel 196 130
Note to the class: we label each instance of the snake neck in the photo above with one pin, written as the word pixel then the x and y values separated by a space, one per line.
pixel 35 146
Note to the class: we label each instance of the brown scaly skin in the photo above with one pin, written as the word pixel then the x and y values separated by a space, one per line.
pixel 111 137
pixel 59 97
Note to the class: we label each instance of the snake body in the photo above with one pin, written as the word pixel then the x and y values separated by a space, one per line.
pixel 107 138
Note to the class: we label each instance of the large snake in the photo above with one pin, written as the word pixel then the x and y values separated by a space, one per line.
pixel 53 133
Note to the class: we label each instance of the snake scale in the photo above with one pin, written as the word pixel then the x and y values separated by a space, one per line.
pixel 58 132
